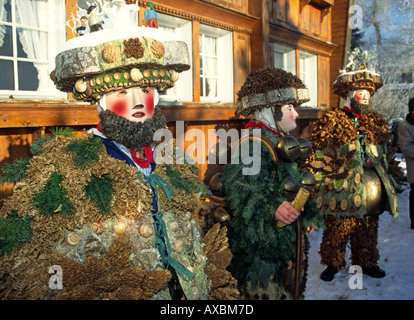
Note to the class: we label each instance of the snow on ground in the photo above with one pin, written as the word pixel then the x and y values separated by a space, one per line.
pixel 396 248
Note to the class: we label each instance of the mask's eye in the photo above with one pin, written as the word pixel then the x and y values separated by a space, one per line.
pixel 122 92
pixel 145 90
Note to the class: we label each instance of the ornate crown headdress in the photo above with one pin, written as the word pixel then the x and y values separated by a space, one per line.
pixel 122 57
pixel 356 75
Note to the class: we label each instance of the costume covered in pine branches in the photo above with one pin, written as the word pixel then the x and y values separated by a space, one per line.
pixel 355 169
pixel 88 219
pixel 264 255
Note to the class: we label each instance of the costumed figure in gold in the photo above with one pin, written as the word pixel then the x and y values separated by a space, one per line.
pixel 355 169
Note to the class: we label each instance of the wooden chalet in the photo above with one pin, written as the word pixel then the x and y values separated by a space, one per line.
pixel 227 39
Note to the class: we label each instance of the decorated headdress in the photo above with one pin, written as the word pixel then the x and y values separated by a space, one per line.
pixel 270 87
pixel 356 75
pixel 122 57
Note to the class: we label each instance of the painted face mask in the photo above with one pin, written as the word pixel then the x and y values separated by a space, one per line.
pixel 288 122
pixel 362 96
pixel 134 104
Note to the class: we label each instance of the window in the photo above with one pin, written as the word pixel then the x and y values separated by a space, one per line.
pixel 308 73
pixel 284 58
pixel 183 89
pixel 31 31
pixel 216 65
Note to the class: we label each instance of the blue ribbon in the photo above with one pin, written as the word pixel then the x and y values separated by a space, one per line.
pixel 161 236
pixel 167 259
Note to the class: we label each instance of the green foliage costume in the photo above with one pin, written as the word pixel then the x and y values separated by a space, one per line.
pixel 264 255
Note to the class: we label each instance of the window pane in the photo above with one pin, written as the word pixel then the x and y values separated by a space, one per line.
pixel 32 13
pixel 211 67
pixel 211 88
pixel 32 44
pixel 5 12
pixel 284 58
pixel 202 87
pixel 211 46
pixel 28 76
pixel 7 78
pixel 6 41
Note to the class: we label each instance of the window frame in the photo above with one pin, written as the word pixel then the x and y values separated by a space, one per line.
pixel 308 73
pixel 301 63
pixel 183 89
pixel 224 76
pixel 288 56
pixel 56 37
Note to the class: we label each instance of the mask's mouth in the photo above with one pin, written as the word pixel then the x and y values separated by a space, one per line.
pixel 138 114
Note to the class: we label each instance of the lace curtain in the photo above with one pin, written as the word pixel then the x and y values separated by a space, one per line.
pixel 3 17
pixel 31 13
pixel 210 65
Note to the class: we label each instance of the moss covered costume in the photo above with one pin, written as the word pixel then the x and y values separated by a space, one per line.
pixel 84 221
pixel 113 232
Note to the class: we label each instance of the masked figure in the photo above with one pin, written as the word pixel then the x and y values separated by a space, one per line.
pixel 96 217
pixel 353 165
pixel 265 261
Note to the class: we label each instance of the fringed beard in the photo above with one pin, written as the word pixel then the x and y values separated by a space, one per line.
pixel 359 107
pixel 133 135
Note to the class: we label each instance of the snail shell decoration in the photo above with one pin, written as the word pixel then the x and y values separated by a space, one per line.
pixel 81 85
pixel 120 227
pixel 97 227
pixel 174 75
pixel 145 230
pixel 73 238
pixel 136 75
pixel 174 225
pixel 178 246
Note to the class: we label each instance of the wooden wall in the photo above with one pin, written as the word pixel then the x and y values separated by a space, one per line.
pixel 255 25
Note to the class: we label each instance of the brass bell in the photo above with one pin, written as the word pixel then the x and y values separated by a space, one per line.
pixel 308 180
pixel 375 192
pixel 290 188
pixel 305 148
pixel 288 149
pixel 220 215
pixel 216 186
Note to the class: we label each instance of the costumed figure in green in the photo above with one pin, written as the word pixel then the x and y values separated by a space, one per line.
pixel 355 169
pixel 98 216
pixel 266 229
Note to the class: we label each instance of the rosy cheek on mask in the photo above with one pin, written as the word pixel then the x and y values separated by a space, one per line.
pixel 148 100
pixel 120 108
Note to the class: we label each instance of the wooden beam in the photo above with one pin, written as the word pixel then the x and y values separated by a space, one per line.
pixel 45 115
pixel 50 115
pixel 297 39
pixel 196 62
pixel 70 9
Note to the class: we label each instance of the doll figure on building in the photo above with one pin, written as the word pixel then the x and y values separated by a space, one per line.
pixel 265 254
pixel 81 30
pixel 151 15
pixel 95 23
pixel 97 208
pixel 355 169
